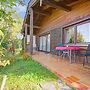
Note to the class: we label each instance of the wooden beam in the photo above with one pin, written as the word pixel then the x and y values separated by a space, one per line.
pixel 59 5
pixel 37 17
pixel 34 26
pixel 76 2
pixel 41 12
pixel 69 1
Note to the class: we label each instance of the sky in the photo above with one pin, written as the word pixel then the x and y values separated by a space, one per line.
pixel 21 10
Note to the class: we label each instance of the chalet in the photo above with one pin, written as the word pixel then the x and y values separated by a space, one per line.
pixel 50 22
pixel 56 21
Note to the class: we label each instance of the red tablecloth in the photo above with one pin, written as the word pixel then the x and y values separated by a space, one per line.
pixel 68 48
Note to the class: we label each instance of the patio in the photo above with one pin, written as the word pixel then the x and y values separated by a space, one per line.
pixel 59 21
pixel 74 74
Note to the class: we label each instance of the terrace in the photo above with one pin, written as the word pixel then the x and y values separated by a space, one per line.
pixel 50 22
pixel 74 74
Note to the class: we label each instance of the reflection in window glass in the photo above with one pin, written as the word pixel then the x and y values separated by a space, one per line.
pixel 44 43
pixel 69 35
pixel 41 42
pixel 83 33
pixel 48 43
pixel 28 39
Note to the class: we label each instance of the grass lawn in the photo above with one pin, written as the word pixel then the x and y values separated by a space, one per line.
pixel 26 75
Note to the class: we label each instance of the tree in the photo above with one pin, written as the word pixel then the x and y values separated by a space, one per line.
pixel 80 37
pixel 6 12
pixel 9 25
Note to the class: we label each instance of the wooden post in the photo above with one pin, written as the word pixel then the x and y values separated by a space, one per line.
pixel 23 41
pixel 31 30
pixel 25 37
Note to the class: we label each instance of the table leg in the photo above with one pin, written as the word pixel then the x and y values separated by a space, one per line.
pixel 59 55
pixel 70 56
pixel 74 56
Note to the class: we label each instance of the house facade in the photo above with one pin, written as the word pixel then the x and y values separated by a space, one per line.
pixel 56 21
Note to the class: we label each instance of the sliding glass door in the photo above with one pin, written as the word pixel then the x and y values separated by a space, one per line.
pixel 41 42
pixel 48 43
pixel 45 43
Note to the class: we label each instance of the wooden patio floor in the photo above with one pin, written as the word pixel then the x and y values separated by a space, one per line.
pixel 74 74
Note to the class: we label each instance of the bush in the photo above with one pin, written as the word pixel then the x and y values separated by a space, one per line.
pixel 5 44
pixel 26 56
pixel 2 50
pixel 11 58
pixel 4 63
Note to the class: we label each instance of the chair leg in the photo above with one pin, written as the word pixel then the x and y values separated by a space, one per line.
pixel 85 60
pixel 74 56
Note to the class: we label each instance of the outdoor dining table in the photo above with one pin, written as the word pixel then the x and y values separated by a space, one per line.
pixel 69 49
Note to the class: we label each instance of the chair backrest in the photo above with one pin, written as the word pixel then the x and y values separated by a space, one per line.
pixel 88 49
pixel 60 44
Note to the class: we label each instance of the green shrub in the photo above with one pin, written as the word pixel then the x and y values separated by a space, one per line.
pixel 26 56
pixel 4 44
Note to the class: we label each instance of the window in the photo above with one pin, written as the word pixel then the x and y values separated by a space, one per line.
pixel 83 33
pixel 77 34
pixel 28 39
pixel 45 43
pixel 69 35
pixel 48 43
pixel 41 42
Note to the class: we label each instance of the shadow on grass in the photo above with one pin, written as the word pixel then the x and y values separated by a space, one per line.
pixel 30 68
pixel 26 75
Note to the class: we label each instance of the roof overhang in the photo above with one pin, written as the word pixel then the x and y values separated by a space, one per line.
pixel 40 12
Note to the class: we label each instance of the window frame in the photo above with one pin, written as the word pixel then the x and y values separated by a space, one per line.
pixel 65 34
pixel 75 32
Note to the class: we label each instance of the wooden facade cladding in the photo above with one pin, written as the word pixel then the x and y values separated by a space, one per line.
pixel 61 18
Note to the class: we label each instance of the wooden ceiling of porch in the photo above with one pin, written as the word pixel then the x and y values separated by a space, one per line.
pixel 40 12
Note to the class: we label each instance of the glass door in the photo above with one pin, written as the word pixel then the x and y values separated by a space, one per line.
pixel 48 43
pixel 41 42
pixel 44 43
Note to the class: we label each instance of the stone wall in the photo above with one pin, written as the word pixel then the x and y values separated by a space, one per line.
pixel 55 37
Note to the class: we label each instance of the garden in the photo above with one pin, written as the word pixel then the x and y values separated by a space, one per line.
pixel 18 70
pixel 24 73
